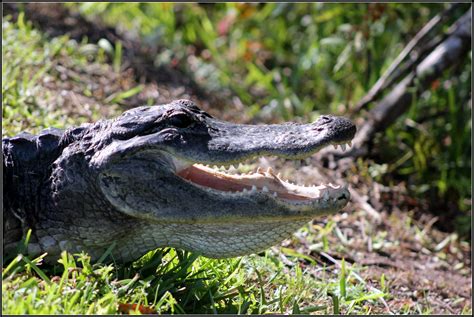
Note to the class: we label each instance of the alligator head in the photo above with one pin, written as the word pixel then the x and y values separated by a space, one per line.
pixel 144 181
pixel 154 164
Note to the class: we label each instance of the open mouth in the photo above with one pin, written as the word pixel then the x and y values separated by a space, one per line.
pixel 267 182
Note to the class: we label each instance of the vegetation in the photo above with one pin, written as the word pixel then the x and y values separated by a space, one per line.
pixel 284 62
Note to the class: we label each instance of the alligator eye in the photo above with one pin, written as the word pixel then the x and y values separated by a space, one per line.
pixel 326 118
pixel 180 120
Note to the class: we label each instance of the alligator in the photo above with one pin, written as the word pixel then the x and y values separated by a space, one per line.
pixel 150 178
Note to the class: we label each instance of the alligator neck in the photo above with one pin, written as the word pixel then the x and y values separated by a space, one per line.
pixel 27 161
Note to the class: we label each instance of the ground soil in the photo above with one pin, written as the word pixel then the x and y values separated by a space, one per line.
pixel 423 267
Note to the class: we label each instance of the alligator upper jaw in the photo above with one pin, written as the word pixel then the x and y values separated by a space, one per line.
pixel 233 143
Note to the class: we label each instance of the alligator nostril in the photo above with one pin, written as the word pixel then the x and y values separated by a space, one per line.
pixel 343 196
pixel 319 129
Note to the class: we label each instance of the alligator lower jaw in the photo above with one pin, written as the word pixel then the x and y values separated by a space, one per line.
pixel 266 182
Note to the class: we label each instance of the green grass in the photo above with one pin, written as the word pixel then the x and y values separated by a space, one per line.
pixel 39 76
pixel 173 281
pixel 24 67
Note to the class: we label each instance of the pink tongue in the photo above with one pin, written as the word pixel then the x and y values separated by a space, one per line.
pixel 224 183
pixel 203 178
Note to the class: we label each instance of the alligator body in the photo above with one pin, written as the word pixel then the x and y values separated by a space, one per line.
pixel 144 181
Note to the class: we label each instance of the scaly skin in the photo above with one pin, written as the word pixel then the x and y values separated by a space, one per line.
pixel 140 181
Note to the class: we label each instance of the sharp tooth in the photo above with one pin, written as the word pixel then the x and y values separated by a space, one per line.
pixel 308 161
pixel 279 175
pixel 343 147
pixel 215 167
pixel 265 189
pixel 244 190
pixel 254 188
pixel 241 165
pixel 335 146
pixel 272 173
pixel 260 170
pixel 275 194
pixel 349 143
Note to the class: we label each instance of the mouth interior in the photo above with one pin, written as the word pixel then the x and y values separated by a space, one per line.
pixel 267 182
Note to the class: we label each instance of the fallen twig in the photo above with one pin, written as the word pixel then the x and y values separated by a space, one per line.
pixel 365 205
